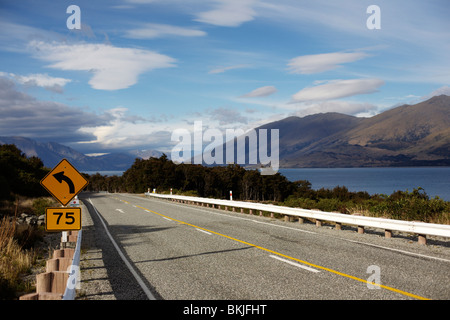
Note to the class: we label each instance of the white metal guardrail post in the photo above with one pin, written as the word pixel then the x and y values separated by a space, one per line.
pixel 422 229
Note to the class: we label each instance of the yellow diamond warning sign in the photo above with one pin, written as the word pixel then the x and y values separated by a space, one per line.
pixel 64 182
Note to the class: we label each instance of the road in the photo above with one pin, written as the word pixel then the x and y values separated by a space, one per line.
pixel 156 249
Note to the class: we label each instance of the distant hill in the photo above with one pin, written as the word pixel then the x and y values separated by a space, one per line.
pixel 420 132
pixel 409 135
pixel 146 154
pixel 298 134
pixel 51 153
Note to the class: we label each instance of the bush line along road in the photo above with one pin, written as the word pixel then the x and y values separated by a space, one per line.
pixel 156 249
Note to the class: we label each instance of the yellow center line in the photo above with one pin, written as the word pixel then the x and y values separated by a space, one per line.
pixel 291 258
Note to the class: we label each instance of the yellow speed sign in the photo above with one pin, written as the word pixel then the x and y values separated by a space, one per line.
pixel 62 219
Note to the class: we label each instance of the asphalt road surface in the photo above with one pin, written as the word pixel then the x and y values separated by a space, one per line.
pixel 156 249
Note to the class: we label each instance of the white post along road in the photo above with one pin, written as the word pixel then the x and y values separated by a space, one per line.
pixel 156 249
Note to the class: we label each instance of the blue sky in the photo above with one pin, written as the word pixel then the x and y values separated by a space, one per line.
pixel 139 69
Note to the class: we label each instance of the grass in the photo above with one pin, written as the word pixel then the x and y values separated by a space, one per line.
pixel 22 204
pixel 401 205
pixel 14 260
pixel 18 255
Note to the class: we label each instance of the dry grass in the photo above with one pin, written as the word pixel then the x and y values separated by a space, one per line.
pixel 14 261
pixel 20 248
pixel 23 204
pixel 441 218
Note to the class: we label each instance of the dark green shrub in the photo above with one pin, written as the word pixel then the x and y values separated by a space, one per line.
pixel 40 204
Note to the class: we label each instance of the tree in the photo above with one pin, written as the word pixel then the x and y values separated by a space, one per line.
pixel 20 175
pixel 252 185
pixel 276 187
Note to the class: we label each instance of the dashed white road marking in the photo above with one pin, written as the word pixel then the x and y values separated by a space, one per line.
pixel 203 231
pixel 294 264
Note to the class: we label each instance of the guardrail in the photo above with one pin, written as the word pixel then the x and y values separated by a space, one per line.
pixel 422 229
pixel 62 272
pixel 74 272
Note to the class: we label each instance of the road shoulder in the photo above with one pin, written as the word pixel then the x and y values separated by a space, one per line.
pixel 95 284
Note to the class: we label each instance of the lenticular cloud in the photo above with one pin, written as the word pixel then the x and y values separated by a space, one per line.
pixel 113 68
pixel 338 89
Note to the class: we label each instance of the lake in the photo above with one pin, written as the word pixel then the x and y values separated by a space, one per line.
pixel 434 180
pixel 105 173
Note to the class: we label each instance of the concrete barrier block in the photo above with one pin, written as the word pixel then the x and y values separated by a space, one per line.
pixel 30 296
pixel 53 282
pixel 422 239
pixel 64 253
pixel 41 296
pixel 58 264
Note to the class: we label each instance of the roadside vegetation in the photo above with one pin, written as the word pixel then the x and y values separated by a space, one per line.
pixel 15 261
pixel 249 185
pixel 20 192
pixel 402 205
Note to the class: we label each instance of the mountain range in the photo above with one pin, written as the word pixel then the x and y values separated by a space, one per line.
pixel 408 135
pixel 51 154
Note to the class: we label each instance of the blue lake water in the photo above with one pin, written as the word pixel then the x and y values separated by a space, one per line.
pixel 434 180
pixel 105 173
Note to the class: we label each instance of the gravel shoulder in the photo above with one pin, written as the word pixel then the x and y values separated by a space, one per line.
pixel 94 280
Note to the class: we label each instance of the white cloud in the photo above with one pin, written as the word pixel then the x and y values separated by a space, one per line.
pixel 153 30
pixel 445 90
pixel 112 67
pixel 347 15
pixel 124 129
pixel 42 80
pixel 261 92
pixel 23 115
pixel 345 107
pixel 224 69
pixel 228 13
pixel 13 35
pixel 226 116
pixel 317 63
pixel 338 89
